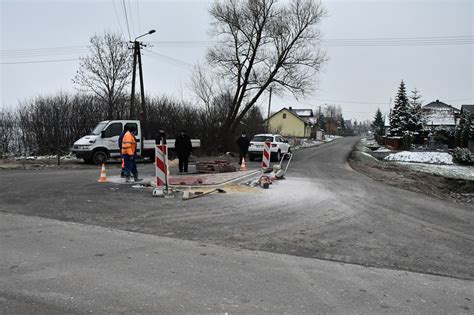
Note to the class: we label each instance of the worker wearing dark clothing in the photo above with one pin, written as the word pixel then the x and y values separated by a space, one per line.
pixel 183 149
pixel 160 138
pixel 243 142
pixel 120 140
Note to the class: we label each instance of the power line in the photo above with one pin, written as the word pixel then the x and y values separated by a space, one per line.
pixel 131 19
pixel 117 16
pixel 460 99
pixel 343 101
pixel 138 16
pixel 126 18
pixel 43 54
pixel 333 42
pixel 60 48
pixel 174 61
pixel 38 61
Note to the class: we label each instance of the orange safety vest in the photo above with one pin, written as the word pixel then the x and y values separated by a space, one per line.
pixel 129 144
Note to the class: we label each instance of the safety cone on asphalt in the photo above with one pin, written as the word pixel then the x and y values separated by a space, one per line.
pixel 242 166
pixel 103 176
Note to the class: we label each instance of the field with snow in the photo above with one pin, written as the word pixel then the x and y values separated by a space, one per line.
pixel 451 171
pixel 421 157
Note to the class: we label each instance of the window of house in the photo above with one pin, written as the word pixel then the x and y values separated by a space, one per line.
pixel 284 115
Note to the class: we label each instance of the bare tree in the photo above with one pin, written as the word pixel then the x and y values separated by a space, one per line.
pixel 264 43
pixel 107 70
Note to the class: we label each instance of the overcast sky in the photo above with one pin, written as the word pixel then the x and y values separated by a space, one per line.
pixel 370 47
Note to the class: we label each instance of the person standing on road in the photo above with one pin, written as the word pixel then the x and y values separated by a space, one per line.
pixel 129 152
pixel 243 142
pixel 120 140
pixel 183 149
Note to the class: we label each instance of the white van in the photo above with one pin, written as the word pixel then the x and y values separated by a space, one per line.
pixel 102 142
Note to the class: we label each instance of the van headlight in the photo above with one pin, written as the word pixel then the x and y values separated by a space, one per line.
pixel 83 147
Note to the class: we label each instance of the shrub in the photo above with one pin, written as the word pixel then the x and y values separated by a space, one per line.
pixel 462 156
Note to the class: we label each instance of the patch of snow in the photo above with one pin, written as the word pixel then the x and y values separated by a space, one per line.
pixel 303 112
pixel 452 171
pixel 383 149
pixel 44 157
pixel 306 144
pixel 329 138
pixel 421 157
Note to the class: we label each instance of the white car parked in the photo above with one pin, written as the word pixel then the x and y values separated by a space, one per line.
pixel 278 147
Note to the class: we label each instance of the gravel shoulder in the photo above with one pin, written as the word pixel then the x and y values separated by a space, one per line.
pixel 405 177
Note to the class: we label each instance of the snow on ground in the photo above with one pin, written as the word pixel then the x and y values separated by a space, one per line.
pixel 369 143
pixel 383 149
pixel 452 171
pixel 421 157
pixel 45 157
pixel 306 144
pixel 312 143
pixel 329 138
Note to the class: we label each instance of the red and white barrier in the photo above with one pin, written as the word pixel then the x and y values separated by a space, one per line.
pixel 161 160
pixel 266 154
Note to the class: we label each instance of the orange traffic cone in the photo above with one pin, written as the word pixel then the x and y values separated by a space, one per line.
pixel 242 166
pixel 103 176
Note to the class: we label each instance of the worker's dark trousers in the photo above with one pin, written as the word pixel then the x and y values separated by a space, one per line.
pixel 130 165
pixel 183 163
pixel 242 155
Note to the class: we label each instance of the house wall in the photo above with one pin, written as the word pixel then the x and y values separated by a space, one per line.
pixel 307 132
pixel 289 127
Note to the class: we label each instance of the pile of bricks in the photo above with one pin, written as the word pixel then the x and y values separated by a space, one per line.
pixel 217 166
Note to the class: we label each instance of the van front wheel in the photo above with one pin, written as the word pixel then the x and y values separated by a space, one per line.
pixel 99 157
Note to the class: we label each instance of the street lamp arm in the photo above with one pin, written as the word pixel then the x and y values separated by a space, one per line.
pixel 148 33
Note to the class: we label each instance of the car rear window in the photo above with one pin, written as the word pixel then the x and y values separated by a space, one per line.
pixel 261 138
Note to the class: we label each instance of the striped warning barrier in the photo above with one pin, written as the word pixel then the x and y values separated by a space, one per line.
pixel 161 157
pixel 266 155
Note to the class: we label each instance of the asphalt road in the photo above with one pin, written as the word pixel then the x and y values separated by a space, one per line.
pixel 323 210
pixel 54 267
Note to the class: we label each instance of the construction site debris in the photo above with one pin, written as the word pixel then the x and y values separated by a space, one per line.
pixel 188 194
pixel 216 166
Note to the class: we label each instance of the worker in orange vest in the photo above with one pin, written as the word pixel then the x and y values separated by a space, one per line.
pixel 129 153
pixel 120 140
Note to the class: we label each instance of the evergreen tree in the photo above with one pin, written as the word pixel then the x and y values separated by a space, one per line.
pixel 342 124
pixel 401 114
pixel 378 125
pixel 415 122
pixel 321 121
pixel 465 130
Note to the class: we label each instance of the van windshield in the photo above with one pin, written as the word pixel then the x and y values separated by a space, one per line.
pixel 261 138
pixel 96 131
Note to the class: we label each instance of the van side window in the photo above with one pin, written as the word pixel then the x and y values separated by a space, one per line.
pixel 113 130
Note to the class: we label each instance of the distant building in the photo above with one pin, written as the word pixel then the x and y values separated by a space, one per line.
pixel 439 115
pixel 467 109
pixel 291 122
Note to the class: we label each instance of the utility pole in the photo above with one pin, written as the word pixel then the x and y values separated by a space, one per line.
pixel 142 90
pixel 136 48
pixel 269 106
pixel 319 118
pixel 137 55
